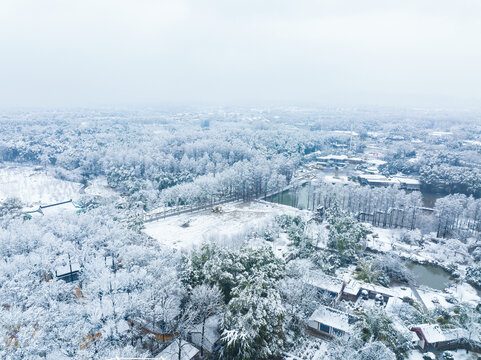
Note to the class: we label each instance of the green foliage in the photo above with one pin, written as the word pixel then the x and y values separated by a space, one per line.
pixel 347 236
pixel 328 262
pixel 11 205
pixel 253 326
pixel 228 268
pixel 286 221
pixel 370 271
pixel 473 275
pixel 376 325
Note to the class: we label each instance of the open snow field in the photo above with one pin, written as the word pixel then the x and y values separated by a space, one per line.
pixel 458 355
pixel 237 220
pixel 99 187
pixel 35 187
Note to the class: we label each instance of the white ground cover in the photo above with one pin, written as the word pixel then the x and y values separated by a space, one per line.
pixel 458 355
pixel 237 221
pixel 99 187
pixel 309 349
pixel 35 187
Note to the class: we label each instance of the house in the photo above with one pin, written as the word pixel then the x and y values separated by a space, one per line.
pixel 433 337
pixel 381 180
pixel 211 334
pixel 331 322
pixel 187 352
pixel 325 284
pixel 407 183
pixel 340 159
pixel 353 289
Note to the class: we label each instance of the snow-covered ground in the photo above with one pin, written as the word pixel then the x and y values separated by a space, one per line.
pixel 99 187
pixel 35 187
pixel 458 355
pixel 236 221
pixel 309 348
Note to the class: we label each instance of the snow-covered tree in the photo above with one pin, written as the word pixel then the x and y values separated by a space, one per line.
pixel 253 326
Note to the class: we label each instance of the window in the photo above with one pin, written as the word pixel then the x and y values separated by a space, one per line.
pixel 324 328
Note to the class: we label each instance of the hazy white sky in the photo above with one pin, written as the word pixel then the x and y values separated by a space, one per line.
pixel 145 52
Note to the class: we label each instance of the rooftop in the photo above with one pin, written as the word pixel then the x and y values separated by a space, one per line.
pixel 331 317
pixel 171 352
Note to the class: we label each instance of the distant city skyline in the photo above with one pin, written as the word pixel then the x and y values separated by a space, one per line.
pixel 147 52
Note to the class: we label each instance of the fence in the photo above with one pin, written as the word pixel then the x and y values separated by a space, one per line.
pixel 187 209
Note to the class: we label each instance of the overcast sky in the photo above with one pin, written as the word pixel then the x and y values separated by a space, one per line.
pixel 147 52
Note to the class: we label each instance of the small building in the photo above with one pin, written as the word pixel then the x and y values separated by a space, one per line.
pixel 353 289
pixel 381 180
pixel 339 159
pixel 330 322
pixel 408 183
pixel 211 334
pixel 433 337
pixel 325 284
pixel 187 352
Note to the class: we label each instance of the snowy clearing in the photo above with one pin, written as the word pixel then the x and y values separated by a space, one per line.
pixel 35 187
pixel 236 221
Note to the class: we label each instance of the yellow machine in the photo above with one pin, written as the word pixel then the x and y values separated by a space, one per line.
pixel 217 209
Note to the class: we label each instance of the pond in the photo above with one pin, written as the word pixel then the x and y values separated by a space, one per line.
pixel 429 198
pixel 430 275
pixel 298 198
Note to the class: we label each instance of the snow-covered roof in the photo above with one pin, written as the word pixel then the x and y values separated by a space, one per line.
pixel 378 289
pixel 432 333
pixel 331 317
pixel 455 334
pixel 440 133
pixel 334 157
pixel 211 335
pixel 171 352
pixel 324 282
pixel 354 286
pixel 407 181
pixel 376 162
pixel 381 179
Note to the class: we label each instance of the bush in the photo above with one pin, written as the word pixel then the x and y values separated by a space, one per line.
pixel 473 275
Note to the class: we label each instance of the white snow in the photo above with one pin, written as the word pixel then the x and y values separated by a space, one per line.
pixel 432 298
pixel 236 221
pixel 464 293
pixel 35 187
pixel 171 352
pixel 99 187
pixel 330 317
pixel 432 333
pixel 337 180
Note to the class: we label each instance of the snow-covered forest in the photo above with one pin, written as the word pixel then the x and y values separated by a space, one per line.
pixel 234 233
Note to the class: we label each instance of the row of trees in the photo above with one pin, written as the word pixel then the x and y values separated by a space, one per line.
pixel 452 215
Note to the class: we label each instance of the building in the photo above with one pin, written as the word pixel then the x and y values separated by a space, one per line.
pixel 211 334
pixel 381 180
pixel 331 322
pixel 340 159
pixel 353 290
pixel 187 352
pixel 433 337
pixel 325 284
